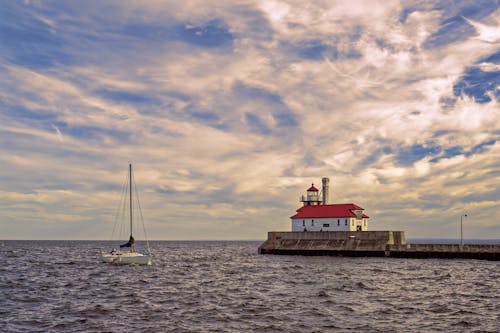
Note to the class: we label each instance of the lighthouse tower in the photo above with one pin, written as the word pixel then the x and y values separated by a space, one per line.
pixel 312 198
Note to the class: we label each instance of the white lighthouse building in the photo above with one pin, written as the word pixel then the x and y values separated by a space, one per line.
pixel 317 214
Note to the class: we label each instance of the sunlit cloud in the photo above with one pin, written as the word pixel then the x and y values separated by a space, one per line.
pixel 230 111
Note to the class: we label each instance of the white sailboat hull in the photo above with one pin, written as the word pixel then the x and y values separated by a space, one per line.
pixel 126 258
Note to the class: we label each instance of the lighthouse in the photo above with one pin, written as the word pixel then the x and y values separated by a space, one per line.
pixel 317 214
pixel 320 228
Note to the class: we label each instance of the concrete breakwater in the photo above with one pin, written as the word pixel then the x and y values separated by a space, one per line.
pixel 370 244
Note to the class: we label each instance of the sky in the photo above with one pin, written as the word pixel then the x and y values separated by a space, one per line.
pixel 229 110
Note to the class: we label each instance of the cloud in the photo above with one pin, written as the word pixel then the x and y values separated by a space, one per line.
pixel 485 32
pixel 229 111
pixel 58 133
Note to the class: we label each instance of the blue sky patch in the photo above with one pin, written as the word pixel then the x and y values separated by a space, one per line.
pixel 452 30
pixel 453 26
pixel 317 50
pixel 448 153
pixel 313 50
pixel 214 33
pixel 477 83
pixel 122 96
pixel 28 41
pixel 447 103
pixel 205 116
pixel 193 112
pixel 92 132
pixel 412 154
pixel 441 133
pixel 387 150
pixel 28 114
pixel 375 155
pixel 372 158
pixel 256 124
pixel 256 93
pixel 269 101
pixel 458 150
pixel 349 54
pixel 148 32
pixel 452 152
pixel 484 196
pixel 257 24
pixel 310 160
pixel 285 119
pixel 494 58
pixel 480 148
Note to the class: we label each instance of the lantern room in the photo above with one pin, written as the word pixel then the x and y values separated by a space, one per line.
pixel 312 197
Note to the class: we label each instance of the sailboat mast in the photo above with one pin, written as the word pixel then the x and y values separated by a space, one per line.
pixel 130 189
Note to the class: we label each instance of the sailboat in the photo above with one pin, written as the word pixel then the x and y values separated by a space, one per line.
pixel 128 255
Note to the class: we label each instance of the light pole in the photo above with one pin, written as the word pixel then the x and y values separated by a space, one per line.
pixel 462 229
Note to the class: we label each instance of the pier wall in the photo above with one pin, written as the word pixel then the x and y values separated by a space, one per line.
pixel 370 244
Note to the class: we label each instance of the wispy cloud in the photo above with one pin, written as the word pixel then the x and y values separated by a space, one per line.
pixel 229 111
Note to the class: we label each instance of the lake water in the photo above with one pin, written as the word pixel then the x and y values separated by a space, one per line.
pixel 61 286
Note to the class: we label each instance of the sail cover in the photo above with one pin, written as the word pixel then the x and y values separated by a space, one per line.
pixel 130 242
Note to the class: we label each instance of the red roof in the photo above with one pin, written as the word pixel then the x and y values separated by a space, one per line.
pixel 312 188
pixel 325 211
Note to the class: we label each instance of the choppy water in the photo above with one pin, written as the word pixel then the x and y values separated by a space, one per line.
pixel 52 286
